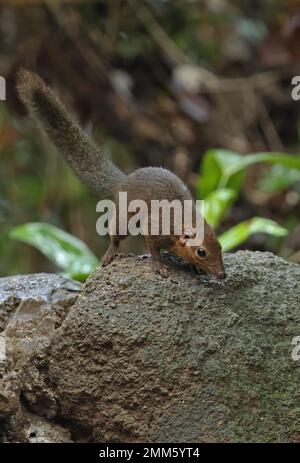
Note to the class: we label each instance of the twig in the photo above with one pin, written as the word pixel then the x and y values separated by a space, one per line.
pixel 210 81
pixel 269 129
pixel 87 54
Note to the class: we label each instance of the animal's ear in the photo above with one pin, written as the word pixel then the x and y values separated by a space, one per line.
pixel 188 234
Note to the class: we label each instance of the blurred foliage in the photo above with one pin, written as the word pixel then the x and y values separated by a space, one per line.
pixel 226 169
pixel 241 232
pixel 64 250
pixel 217 205
pixel 156 82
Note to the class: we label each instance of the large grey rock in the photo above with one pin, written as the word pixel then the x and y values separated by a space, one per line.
pixel 183 359
pixel 43 288
pixel 32 307
pixel 36 285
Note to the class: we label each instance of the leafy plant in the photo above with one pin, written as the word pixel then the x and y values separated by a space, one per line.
pixel 66 251
pixel 226 169
pixel 242 231
pixel 280 178
pixel 217 203
pixel 221 177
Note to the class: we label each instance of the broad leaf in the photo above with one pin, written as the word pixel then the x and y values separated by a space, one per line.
pixel 279 178
pixel 241 232
pixel 225 169
pixel 217 204
pixel 216 165
pixel 64 250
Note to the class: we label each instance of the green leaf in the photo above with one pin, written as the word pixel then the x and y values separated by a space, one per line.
pixel 216 165
pixel 64 250
pixel 279 178
pixel 287 160
pixel 241 232
pixel 225 169
pixel 216 205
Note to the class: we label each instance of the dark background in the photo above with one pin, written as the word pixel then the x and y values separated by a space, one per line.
pixel 156 82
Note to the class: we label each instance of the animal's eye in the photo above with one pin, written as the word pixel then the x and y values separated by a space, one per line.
pixel 201 252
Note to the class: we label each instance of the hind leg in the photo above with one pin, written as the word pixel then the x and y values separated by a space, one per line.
pixel 113 247
pixel 111 252
pixel 115 239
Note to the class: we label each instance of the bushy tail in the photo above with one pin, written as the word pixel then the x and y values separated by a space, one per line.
pixel 85 158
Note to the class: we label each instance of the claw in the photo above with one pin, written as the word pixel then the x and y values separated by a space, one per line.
pixel 161 269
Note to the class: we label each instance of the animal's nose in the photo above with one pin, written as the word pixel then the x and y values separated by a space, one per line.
pixel 221 276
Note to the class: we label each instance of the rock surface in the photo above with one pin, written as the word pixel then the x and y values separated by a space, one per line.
pixel 31 309
pixel 182 359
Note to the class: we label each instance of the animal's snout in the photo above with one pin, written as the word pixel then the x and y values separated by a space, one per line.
pixel 221 275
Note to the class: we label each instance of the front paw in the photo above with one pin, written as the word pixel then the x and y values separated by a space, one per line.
pixel 161 269
pixel 108 258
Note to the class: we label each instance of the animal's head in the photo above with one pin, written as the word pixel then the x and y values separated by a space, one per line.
pixel 206 256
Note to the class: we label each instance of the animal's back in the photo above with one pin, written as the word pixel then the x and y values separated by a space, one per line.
pixel 154 183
